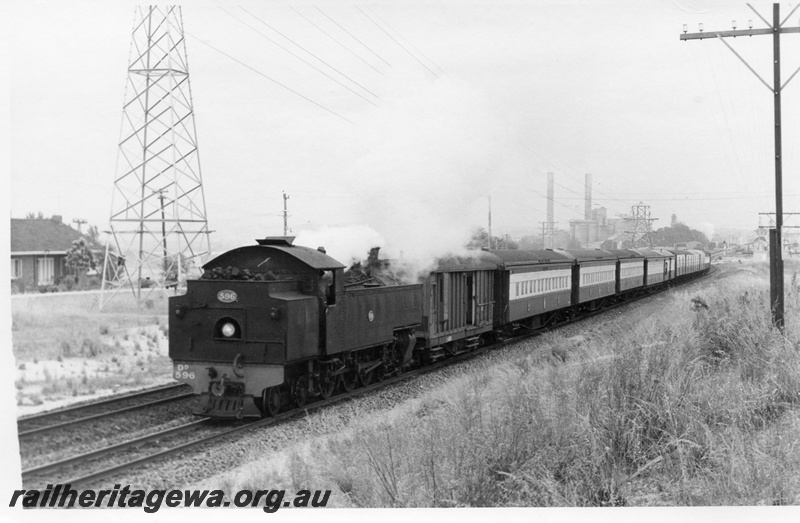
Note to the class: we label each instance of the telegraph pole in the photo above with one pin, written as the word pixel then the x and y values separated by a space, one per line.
pixel 490 223
pixel 164 231
pixel 79 222
pixel 544 228
pixel 775 29
pixel 548 231
pixel 285 215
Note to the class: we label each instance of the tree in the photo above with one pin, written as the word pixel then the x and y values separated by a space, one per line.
pixel 480 239
pixel 530 242
pixel 678 233
pixel 171 267
pixel 93 233
pixel 79 257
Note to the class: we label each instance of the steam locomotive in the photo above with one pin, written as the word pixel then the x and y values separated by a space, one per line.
pixel 274 325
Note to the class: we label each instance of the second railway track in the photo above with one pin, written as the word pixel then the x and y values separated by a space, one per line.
pixel 61 418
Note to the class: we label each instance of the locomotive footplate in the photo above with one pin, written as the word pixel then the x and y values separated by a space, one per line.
pixel 227 406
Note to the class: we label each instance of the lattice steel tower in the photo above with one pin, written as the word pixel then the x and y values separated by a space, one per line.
pixel 640 235
pixel 158 226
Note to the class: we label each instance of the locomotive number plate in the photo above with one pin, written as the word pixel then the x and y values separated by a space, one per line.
pixel 227 296
pixel 183 372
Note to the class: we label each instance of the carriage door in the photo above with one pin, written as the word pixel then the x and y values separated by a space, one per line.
pixel 470 300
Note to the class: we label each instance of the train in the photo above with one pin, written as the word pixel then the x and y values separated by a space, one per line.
pixel 274 325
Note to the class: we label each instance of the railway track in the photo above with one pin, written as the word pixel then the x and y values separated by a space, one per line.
pixel 83 469
pixel 96 410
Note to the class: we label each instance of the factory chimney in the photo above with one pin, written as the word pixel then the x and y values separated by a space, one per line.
pixel 550 215
pixel 588 209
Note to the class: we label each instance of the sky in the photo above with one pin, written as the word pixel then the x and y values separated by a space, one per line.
pixel 427 111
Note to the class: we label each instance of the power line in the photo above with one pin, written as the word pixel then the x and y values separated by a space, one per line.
pixel 405 40
pixel 398 43
pixel 353 36
pixel 692 198
pixel 337 41
pixel 304 97
pixel 309 52
pixel 302 59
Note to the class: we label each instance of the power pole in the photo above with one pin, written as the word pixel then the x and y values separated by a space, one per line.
pixel 775 29
pixel 544 228
pixel 285 215
pixel 490 223
pixel 164 230
pixel 548 231
pixel 79 222
pixel 771 220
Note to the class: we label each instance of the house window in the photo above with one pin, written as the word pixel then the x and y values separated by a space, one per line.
pixel 16 268
pixel 46 272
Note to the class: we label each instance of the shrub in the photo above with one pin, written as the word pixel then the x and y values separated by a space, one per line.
pixel 90 348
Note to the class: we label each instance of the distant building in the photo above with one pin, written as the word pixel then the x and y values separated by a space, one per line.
pixel 599 228
pixel 39 252
pixel 689 245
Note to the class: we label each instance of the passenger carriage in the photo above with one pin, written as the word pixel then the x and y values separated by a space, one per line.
pixel 657 266
pixel 630 270
pixel 594 277
pixel 534 284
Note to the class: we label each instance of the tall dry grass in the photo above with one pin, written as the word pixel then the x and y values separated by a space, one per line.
pixel 691 404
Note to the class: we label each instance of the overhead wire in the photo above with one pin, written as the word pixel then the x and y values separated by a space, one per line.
pixel 405 40
pixel 276 82
pixel 303 59
pixel 398 43
pixel 368 48
pixel 309 52
pixel 337 41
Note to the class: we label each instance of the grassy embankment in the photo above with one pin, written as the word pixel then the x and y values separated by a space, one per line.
pixel 65 347
pixel 689 401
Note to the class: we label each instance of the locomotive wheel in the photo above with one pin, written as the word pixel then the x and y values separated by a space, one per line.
pixel 271 401
pixel 327 387
pixel 379 374
pixel 348 381
pixel 300 391
pixel 365 378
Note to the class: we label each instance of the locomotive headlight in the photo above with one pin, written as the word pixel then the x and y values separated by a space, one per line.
pixel 229 330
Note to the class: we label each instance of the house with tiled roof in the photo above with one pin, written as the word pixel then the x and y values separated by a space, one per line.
pixel 39 252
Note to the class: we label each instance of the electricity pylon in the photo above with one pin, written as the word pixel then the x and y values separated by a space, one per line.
pixel 158 226
pixel 640 235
